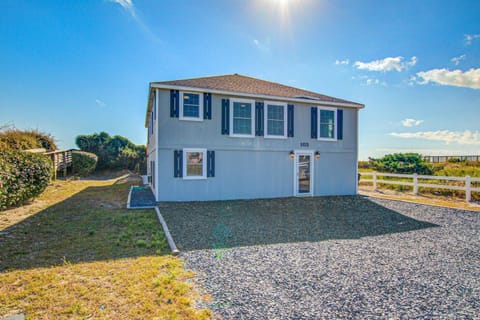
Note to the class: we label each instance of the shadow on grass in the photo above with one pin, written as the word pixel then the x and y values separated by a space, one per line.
pixel 220 224
pixel 91 225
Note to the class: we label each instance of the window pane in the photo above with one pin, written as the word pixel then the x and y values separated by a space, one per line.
pixel 191 98
pixel 275 120
pixel 326 131
pixel 242 110
pixel 275 128
pixel 275 112
pixel 242 126
pixel 190 111
pixel 242 118
pixel 327 116
pixel 194 163
pixel 191 105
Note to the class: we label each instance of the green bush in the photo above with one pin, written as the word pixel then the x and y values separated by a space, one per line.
pixel 84 163
pixel 402 163
pixel 23 176
pixel 115 152
pixel 16 139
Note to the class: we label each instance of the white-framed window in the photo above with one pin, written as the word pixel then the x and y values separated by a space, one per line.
pixel 242 118
pixel 194 163
pixel 191 106
pixel 275 118
pixel 327 123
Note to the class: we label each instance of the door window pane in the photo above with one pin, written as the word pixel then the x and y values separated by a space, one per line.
pixel 304 174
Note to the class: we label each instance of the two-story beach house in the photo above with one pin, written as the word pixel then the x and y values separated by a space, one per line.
pixel 237 137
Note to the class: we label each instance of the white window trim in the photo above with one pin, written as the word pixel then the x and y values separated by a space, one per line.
pixel 265 119
pixel 204 166
pixel 252 102
pixel 334 123
pixel 200 107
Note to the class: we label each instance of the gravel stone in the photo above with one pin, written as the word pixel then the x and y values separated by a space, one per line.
pixel 331 258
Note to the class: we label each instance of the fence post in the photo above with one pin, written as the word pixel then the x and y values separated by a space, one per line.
pixel 468 191
pixel 374 181
pixel 415 183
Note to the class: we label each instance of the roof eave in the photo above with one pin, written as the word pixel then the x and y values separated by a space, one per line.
pixel 262 96
pixel 149 105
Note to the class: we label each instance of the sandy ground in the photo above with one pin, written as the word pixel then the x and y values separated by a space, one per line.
pixel 434 200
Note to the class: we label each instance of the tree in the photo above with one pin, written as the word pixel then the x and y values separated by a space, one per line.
pixel 401 163
pixel 115 152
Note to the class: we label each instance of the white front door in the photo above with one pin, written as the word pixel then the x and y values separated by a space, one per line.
pixel 303 173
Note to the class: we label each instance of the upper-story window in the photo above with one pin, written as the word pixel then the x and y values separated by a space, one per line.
pixel 242 118
pixel 275 120
pixel 191 106
pixel 327 121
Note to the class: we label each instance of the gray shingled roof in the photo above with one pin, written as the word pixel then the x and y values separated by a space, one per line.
pixel 243 84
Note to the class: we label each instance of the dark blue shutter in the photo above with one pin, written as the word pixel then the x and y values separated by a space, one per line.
pixel 177 163
pixel 225 116
pixel 174 103
pixel 290 121
pixel 314 122
pixel 339 124
pixel 259 113
pixel 207 106
pixel 210 163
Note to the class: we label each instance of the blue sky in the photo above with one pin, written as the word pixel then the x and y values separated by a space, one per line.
pixel 78 67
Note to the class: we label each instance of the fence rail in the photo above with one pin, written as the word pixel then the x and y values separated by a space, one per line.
pixel 467 182
pixel 61 159
pixel 436 159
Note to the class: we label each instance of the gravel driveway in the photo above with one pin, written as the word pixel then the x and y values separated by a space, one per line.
pixel 331 257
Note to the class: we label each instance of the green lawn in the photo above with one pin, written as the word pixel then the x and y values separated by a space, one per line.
pixel 76 253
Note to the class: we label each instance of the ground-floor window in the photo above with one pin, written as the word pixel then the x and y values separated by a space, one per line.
pixel 194 163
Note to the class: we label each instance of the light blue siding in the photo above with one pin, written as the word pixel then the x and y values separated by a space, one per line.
pixel 255 167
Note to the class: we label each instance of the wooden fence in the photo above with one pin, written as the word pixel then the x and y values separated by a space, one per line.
pixel 465 181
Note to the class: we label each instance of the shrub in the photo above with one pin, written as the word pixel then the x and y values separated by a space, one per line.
pixel 16 139
pixel 402 163
pixel 84 163
pixel 115 152
pixel 23 176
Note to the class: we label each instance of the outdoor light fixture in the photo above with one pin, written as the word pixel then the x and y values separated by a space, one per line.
pixel 292 154
pixel 317 154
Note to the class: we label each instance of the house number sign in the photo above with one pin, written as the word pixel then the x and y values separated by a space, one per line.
pixel 304 144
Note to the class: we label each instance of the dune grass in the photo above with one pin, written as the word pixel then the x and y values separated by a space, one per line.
pixel 76 253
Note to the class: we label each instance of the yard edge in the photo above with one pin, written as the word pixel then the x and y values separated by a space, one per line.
pixel 170 241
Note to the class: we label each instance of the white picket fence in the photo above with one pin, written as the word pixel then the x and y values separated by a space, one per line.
pixel 467 182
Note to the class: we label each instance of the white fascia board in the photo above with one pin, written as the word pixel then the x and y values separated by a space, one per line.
pixel 261 96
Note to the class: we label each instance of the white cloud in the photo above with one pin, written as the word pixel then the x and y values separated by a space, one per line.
pixel 344 62
pixel 387 64
pixel 458 78
pixel 127 5
pixel 263 46
pixel 464 138
pixel 411 122
pixel 456 60
pixel 100 103
pixel 470 37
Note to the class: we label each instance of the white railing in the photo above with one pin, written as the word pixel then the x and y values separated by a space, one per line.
pixel 467 182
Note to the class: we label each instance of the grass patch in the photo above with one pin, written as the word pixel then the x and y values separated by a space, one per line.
pixel 76 253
